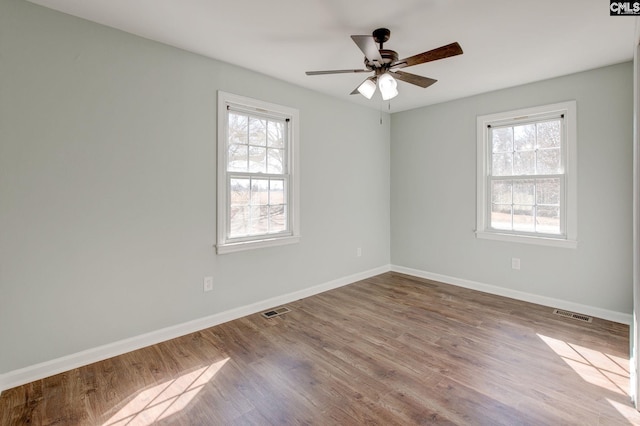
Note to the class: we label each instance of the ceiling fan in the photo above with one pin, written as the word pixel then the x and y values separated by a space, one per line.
pixel 386 65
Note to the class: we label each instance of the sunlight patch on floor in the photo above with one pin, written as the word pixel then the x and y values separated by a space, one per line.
pixel 626 410
pixel 165 399
pixel 600 369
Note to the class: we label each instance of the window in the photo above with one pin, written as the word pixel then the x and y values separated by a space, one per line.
pixel 257 174
pixel 527 175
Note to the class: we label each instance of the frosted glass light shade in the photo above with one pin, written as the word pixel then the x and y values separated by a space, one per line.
pixel 388 86
pixel 367 88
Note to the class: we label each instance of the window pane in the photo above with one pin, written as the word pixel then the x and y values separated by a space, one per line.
pixel 524 163
pixel 548 220
pixel 549 161
pixel 501 216
pixel 259 220
pixel 501 192
pixel 276 191
pixel 275 161
pixel 549 134
pixel 523 218
pixel 238 158
pixel 524 192
pixel 548 192
pixel 258 206
pixel 238 221
pixel 524 137
pixel 239 192
pixel 257 131
pixel 277 218
pixel 275 134
pixel 257 159
pixel 237 128
pixel 259 192
pixel 502 139
pixel 502 164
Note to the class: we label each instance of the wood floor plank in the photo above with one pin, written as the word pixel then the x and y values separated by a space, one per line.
pixel 389 350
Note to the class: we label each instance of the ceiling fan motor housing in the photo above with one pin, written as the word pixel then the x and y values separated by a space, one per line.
pixel 388 57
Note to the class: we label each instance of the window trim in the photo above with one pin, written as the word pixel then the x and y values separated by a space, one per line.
pixel 224 245
pixel 569 109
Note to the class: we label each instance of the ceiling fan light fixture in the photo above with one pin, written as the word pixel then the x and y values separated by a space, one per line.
pixel 367 88
pixel 388 86
pixel 385 65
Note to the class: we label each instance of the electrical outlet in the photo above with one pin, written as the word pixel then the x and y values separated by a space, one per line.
pixel 207 284
pixel 359 251
pixel 515 263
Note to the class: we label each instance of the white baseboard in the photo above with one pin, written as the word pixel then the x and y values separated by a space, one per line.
pixel 49 368
pixel 519 295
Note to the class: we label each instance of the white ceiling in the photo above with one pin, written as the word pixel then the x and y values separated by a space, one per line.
pixel 505 42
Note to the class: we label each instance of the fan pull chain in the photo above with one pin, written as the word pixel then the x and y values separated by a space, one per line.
pixel 388 107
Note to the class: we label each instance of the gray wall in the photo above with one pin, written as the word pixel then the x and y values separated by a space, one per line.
pixel 108 183
pixel 433 193
pixel 107 189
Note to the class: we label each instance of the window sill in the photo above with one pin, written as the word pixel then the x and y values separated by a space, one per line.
pixel 256 244
pixel 526 239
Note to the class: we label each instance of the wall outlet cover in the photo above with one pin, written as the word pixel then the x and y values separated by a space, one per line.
pixel 207 284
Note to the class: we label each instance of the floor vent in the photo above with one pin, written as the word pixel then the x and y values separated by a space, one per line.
pixel 572 315
pixel 275 312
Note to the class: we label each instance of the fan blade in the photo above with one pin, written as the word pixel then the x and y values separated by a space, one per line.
pixel 369 48
pixel 418 80
pixel 334 72
pixel 452 49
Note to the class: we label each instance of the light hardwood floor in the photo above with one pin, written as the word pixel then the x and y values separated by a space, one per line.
pixel 390 350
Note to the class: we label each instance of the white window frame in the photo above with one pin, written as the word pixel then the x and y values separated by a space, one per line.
pixel 568 204
pixel 225 244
